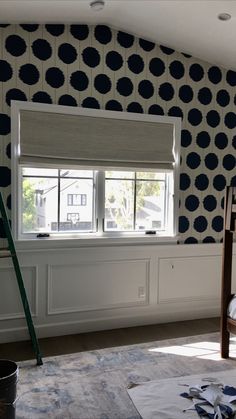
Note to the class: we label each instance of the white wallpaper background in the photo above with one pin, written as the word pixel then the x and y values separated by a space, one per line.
pixel 99 67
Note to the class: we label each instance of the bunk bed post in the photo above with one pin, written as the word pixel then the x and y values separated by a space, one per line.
pixel 226 294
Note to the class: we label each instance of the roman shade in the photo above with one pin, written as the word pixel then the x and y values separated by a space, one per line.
pixel 94 141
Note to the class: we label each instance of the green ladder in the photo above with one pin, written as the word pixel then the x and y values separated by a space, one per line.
pixel 10 252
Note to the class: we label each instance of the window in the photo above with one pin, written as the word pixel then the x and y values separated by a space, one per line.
pixel 47 195
pixel 77 199
pixel 137 201
pixel 110 189
pixel 134 201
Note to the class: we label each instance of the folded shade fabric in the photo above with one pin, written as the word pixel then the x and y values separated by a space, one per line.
pixel 95 141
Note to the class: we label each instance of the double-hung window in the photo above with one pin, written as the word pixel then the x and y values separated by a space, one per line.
pixel 82 171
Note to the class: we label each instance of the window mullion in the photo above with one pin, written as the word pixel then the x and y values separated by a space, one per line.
pixel 135 198
pixel 58 200
pixel 167 201
pixel 100 200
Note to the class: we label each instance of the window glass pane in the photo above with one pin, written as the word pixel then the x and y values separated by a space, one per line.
pixel 119 205
pixel 76 173
pixel 119 175
pixel 151 175
pixel 150 205
pixel 39 204
pixel 141 201
pixel 76 205
pixel 29 171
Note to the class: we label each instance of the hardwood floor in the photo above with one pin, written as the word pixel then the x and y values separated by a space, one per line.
pixel 19 351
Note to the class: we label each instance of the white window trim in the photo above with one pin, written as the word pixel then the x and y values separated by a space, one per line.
pixel 85 238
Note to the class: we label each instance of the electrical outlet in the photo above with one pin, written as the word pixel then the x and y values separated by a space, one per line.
pixel 141 292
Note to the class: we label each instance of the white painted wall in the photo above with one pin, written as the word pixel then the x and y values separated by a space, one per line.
pixel 80 289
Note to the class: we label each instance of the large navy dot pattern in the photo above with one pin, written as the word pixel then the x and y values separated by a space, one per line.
pixel 203 139
pixel 156 66
pixel 79 32
pixel 14 94
pixel 114 60
pixel 102 68
pixel 15 45
pixel 176 69
pixel 166 91
pixel 146 89
pixel 214 74
pixel 55 30
pixel 231 77
pixel 54 77
pixel 67 53
pixel 135 63
pixel 186 93
pixel 221 140
pixel 124 86
pixel 102 83
pixel 42 49
pixel 79 80
pixel 41 97
pixel 91 57
pixel 219 182
pixel 186 138
pixel 30 27
pixel 196 72
pixel 4 124
pixel 113 105
pixel 29 74
pixel 5 71
pixel 204 96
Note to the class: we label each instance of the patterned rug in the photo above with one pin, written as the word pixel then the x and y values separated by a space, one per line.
pixel 92 385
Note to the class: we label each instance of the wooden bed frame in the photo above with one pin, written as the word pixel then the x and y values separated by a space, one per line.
pixel 227 325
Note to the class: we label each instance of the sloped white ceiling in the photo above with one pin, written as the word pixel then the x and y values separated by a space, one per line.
pixel 190 26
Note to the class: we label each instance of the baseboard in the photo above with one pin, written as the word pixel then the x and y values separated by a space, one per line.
pixel 97 324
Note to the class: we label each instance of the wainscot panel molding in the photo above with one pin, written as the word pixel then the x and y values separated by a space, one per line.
pixel 10 301
pixel 86 289
pixel 97 285
pixel 189 273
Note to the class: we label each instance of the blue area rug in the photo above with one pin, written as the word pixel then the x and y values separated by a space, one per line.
pixel 92 385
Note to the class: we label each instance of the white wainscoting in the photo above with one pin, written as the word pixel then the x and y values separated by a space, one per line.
pixel 189 273
pixel 10 302
pixel 80 289
pixel 97 285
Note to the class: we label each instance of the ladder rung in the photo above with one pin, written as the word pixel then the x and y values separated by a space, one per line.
pixel 6 253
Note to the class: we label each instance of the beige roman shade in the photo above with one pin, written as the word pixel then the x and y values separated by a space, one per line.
pixel 63 139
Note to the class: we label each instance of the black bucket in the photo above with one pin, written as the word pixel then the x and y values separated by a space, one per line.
pixel 8 383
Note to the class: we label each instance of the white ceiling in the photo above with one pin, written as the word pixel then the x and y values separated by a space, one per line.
pixel 190 26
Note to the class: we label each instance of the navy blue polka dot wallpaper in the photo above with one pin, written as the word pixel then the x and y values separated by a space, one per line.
pixel 98 67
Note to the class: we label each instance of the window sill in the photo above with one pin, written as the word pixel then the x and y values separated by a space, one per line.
pixel 53 243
